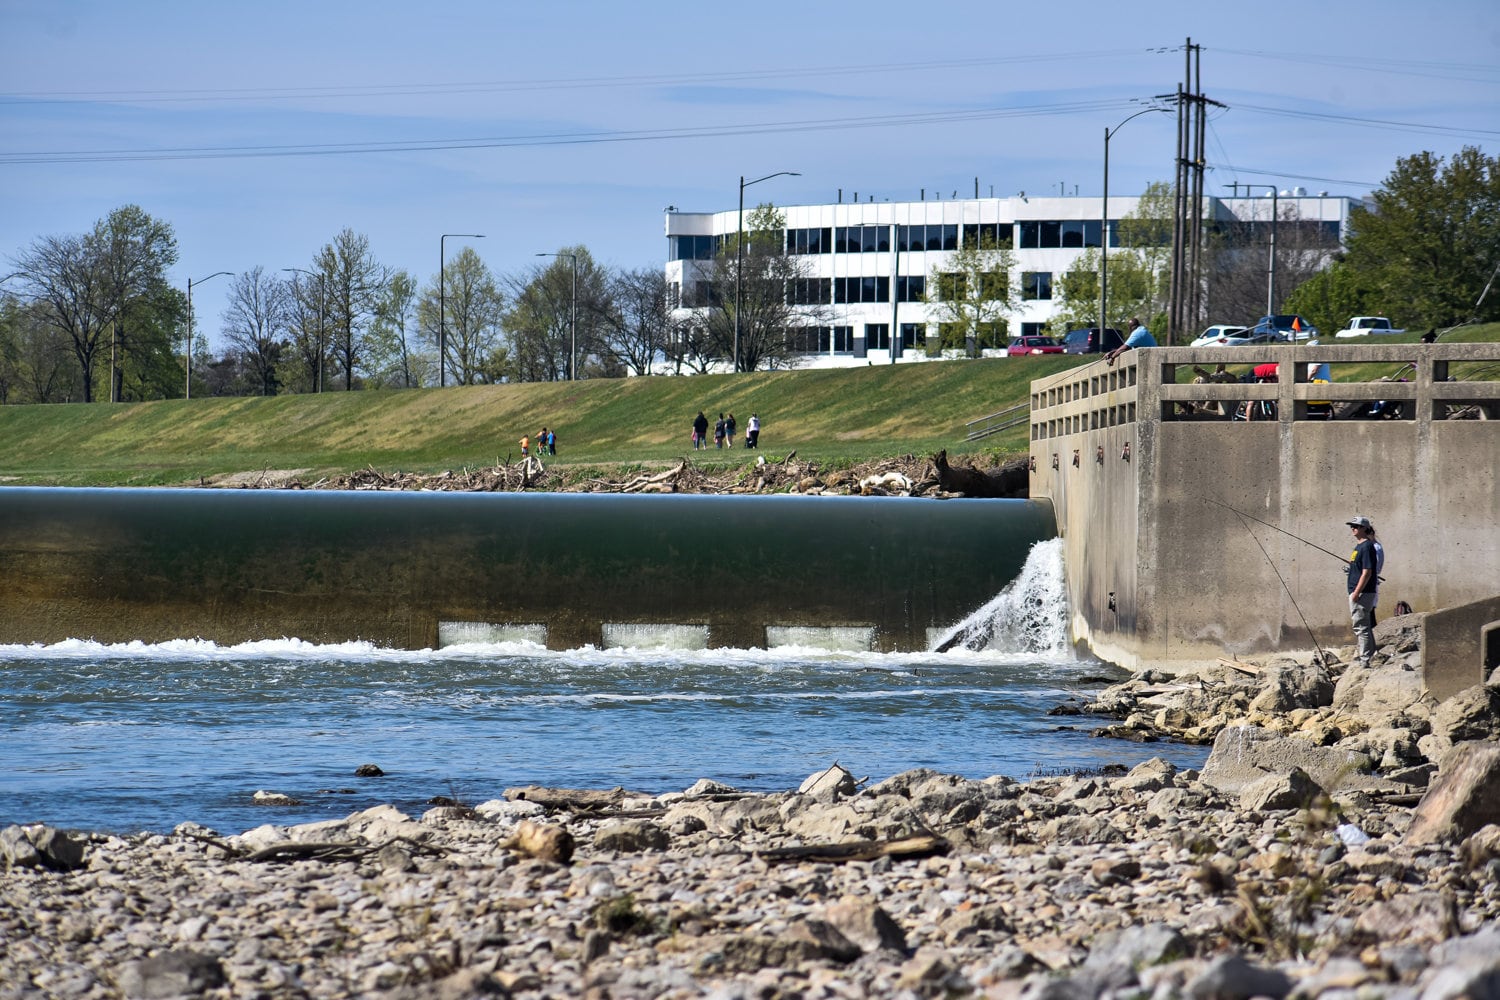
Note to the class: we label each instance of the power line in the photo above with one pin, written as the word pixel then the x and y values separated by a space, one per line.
pixel 560 138
pixel 1380 123
pixel 1384 65
pixel 564 83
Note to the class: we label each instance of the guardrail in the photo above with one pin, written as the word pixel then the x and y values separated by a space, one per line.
pixel 1011 416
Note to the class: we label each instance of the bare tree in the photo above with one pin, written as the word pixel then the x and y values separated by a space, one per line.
pixel 255 324
pixel 65 278
pixel 540 320
pixel 640 325
pixel 356 282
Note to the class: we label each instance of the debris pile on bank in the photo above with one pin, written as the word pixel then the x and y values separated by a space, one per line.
pixel 906 475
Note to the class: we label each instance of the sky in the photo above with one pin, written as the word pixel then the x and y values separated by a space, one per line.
pixel 261 130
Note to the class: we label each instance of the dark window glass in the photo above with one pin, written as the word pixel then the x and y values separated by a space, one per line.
pixel 910 332
pixel 950 237
pixel 1091 233
pixel 877 337
pixel 1036 285
pixel 1072 233
pixel 843 339
pixel 1033 329
pixel 1031 235
pixel 1051 235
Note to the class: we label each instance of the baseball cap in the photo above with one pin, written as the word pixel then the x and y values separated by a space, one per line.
pixel 1359 521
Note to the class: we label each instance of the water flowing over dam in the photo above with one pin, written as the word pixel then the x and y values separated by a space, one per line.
pixel 426 569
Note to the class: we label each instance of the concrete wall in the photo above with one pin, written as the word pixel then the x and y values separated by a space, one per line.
pixel 1206 539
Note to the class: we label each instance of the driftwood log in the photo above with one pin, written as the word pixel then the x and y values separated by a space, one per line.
pixel 1010 481
pixel 917 846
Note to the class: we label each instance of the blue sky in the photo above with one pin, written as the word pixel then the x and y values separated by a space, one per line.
pixel 253 128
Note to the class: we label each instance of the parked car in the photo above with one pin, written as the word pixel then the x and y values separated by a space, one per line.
pixel 1222 335
pixel 1034 345
pixel 1363 326
pixel 1285 328
pixel 1089 342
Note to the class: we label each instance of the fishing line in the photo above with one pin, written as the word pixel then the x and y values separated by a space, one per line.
pixel 1322 657
pixel 1274 527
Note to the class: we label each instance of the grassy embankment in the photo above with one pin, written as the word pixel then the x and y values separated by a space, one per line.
pixel 834 417
pixel 830 416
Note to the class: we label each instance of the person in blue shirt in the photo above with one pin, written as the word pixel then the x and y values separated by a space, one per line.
pixel 1139 337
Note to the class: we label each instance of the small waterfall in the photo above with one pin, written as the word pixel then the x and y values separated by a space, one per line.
pixel 1029 616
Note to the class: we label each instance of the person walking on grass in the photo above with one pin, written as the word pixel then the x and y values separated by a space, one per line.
pixel 700 431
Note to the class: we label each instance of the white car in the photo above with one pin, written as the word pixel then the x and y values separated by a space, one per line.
pixel 1223 335
pixel 1364 326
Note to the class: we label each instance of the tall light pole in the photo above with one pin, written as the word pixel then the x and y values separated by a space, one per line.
pixel 572 317
pixel 187 388
pixel 443 304
pixel 1104 227
pixel 739 254
pixel 322 309
pixel 1271 267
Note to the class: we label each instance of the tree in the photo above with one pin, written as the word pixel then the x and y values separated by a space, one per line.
pixel 393 359
pixel 255 324
pixel 640 325
pixel 135 251
pixel 539 320
pixel 761 280
pixel 87 285
pixel 304 364
pixel 475 306
pixel 1432 242
pixel 972 296
pixel 355 285
pixel 1237 255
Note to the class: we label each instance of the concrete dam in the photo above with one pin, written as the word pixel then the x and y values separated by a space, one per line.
pixel 426 569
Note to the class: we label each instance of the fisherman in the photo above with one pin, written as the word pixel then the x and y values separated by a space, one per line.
pixel 1364 584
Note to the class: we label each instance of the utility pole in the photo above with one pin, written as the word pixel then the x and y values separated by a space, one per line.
pixel 1186 299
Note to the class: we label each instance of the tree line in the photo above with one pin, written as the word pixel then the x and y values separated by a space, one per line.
pixel 92 316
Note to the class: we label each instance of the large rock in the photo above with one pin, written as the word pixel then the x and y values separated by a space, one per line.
pixel 1472 714
pixel 1380 692
pixel 1293 790
pixel 1287 688
pixel 171 974
pixel 1464 797
pixel 1243 755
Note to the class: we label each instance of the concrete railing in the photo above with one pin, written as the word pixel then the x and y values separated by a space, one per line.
pixel 1188 533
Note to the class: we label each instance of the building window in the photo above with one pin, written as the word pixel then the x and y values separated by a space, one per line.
pixel 1036 285
pixel 822 340
pixel 933 237
pixel 995 235
pixel 911 288
pixel 911 333
pixel 1033 329
pixel 877 337
pixel 691 247
pixel 850 290
pixel 809 291
pixel 804 241
pixel 674 294
pixel 861 239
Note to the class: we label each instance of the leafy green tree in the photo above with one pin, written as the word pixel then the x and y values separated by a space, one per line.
pixel 1432 242
pixel 1329 298
pixel 475 307
pixel 394 358
pixel 538 322
pixel 973 295
pixel 134 252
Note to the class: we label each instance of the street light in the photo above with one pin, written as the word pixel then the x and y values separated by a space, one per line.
pixel 443 304
pixel 739 253
pixel 1271 273
pixel 322 310
pixel 572 317
pixel 187 389
pixel 1104 226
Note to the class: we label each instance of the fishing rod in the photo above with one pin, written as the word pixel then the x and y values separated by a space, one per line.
pixel 1277 527
pixel 1322 657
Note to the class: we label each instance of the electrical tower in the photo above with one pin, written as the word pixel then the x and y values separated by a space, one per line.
pixel 1185 310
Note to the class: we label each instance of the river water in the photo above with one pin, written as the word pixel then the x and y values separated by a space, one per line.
pixel 132 737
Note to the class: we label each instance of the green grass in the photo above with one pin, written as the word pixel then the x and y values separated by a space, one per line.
pixel 832 416
pixel 835 417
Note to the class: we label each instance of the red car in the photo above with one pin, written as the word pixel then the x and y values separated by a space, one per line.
pixel 1034 345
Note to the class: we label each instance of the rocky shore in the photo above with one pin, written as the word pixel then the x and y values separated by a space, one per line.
pixel 1340 842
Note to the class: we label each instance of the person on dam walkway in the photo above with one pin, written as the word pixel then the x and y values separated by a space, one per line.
pixel 1364 587
pixel 700 431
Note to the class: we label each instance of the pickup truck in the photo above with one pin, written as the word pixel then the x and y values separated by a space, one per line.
pixel 1363 326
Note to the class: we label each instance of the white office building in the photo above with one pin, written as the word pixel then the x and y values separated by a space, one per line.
pixel 870 262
